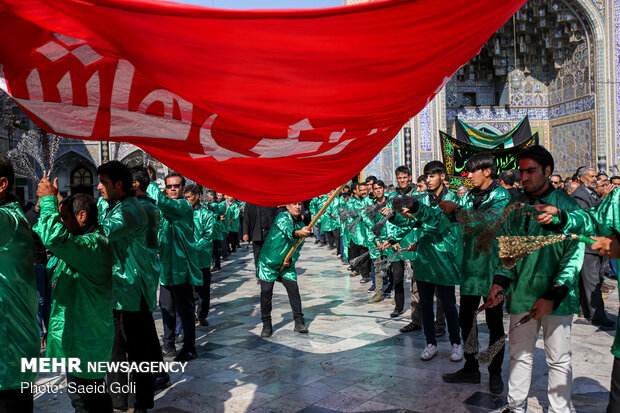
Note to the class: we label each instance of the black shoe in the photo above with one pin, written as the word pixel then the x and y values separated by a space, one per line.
pixel 300 327
pixel 267 330
pixel 168 351
pixel 410 327
pixel 186 355
pixel 463 376
pixel 203 322
pixel 179 338
pixel 216 268
pixel 603 322
pixel 316 241
pixel 396 313
pixel 161 382
pixel 365 280
pixel 496 384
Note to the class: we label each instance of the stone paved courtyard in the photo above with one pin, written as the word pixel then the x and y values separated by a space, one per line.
pixel 354 359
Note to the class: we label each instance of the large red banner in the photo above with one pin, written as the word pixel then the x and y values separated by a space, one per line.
pixel 268 106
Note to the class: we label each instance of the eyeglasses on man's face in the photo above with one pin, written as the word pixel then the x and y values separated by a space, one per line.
pixel 169 186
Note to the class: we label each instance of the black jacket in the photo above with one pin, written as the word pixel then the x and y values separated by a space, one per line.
pixel 257 220
pixel 586 200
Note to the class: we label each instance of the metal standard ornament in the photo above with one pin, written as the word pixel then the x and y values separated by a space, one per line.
pixel 514 249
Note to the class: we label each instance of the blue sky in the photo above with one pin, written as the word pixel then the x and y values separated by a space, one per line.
pixel 264 4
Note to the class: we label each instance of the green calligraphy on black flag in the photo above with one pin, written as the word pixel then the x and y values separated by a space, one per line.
pixel 504 147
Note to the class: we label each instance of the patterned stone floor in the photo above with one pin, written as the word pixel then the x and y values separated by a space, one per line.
pixel 354 359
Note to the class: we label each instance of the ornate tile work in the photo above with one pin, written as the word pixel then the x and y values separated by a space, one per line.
pixel 425 129
pixel 600 6
pixel 572 144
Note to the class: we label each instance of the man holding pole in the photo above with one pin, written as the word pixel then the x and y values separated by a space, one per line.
pixel 272 266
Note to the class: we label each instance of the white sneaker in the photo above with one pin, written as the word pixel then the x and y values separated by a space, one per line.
pixel 457 352
pixel 429 352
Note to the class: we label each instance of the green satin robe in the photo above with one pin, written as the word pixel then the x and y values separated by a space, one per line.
pixel 401 230
pixel 177 245
pixel 330 223
pixel 81 323
pixel 478 268
pixel 558 263
pixel 125 225
pixel 440 247
pixel 18 297
pixel 277 244
pixel 153 267
pixel 204 227
pixel 598 221
pixel 233 213
pixel 219 208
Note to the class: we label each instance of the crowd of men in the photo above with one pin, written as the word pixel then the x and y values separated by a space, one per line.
pixel 96 268
pixel 426 240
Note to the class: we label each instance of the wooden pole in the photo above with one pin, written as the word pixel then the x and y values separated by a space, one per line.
pixel 314 220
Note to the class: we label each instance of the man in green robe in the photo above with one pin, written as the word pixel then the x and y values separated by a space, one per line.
pixel 233 214
pixel 204 226
pixel 124 222
pixel 221 207
pixel 18 295
pixel 488 198
pixel 438 259
pixel 283 234
pixel 603 223
pixel 544 283
pixel 81 322
pixel 358 240
pixel 177 251
pixel 141 181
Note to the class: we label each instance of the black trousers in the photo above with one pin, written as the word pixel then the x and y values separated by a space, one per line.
pixel 133 333
pixel 233 241
pixel 266 294
pixel 15 400
pixel 336 243
pixel 590 282
pixel 614 390
pixel 446 295
pixel 178 299
pixel 204 294
pixel 364 266
pixel 398 272
pixel 330 238
pixel 256 246
pixel 217 252
pixel 494 318
pixel 89 402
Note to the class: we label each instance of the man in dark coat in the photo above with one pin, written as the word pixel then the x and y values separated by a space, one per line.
pixel 591 276
pixel 256 223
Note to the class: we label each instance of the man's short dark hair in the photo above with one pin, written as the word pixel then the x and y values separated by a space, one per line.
pixel 403 169
pixel 481 161
pixel 558 175
pixel 421 178
pixel 117 171
pixel 380 183
pixel 435 167
pixel 347 188
pixel 507 177
pixel 7 171
pixel 539 155
pixel 174 174
pixel 371 178
pixel 193 189
pixel 82 202
pixel 614 177
pixel 140 175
